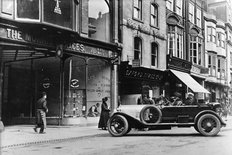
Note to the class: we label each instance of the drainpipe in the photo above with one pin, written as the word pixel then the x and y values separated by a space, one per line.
pixel 1 89
pixel 114 87
pixel 61 105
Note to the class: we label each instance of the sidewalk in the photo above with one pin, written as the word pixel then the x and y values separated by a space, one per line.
pixel 21 135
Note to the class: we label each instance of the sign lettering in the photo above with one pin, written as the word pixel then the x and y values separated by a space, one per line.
pixel 57 7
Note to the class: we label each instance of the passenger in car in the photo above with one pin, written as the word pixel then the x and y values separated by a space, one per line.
pixel 190 99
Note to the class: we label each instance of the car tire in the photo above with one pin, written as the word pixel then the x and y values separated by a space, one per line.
pixel 155 117
pixel 208 125
pixel 118 126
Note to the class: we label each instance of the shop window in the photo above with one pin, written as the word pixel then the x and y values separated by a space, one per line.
pixel 28 10
pixel 154 54
pixel 175 41
pixel 7 8
pixel 137 48
pixel 154 15
pixel 195 50
pixel 99 20
pixel 137 13
pixel 59 12
pixel 211 34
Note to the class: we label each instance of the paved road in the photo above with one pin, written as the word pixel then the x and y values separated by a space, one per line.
pixel 178 141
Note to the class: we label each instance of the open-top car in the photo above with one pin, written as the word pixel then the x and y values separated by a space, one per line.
pixel 202 117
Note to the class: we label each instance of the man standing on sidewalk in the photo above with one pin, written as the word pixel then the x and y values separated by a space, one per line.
pixel 41 113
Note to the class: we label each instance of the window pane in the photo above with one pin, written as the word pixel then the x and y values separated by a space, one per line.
pixel 58 12
pixel 28 9
pixel 7 7
pixel 99 20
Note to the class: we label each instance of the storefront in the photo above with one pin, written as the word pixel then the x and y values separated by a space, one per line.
pixel 135 82
pixel 41 50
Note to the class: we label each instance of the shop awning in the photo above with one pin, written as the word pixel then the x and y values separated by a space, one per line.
pixel 190 82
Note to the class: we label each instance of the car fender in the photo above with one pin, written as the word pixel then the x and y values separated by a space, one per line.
pixel 209 112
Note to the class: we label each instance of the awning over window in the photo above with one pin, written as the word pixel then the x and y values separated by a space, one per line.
pixel 190 82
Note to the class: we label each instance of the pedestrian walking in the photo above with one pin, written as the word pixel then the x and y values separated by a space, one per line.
pixel 105 114
pixel 41 111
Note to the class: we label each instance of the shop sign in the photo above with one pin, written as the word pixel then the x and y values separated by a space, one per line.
pixel 74 83
pixel 80 48
pixel 17 35
pixel 143 75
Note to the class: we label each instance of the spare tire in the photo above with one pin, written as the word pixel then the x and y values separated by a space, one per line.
pixel 150 115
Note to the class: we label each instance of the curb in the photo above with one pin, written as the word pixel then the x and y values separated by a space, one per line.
pixel 47 141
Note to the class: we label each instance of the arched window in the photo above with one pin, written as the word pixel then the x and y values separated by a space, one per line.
pixel 137 48
pixel 154 54
pixel 99 20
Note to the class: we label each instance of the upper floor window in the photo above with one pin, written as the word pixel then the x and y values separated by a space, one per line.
pixel 211 34
pixel 196 50
pixel 221 68
pixel 99 20
pixel 154 54
pixel 221 40
pixel 169 4
pixel 7 8
pixel 191 13
pixel 179 7
pixel 58 12
pixel 154 15
pixel 137 48
pixel 28 10
pixel 198 17
pixel 175 41
pixel 137 9
pixel 212 64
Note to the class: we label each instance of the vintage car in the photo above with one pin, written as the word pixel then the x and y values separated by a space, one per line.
pixel 202 117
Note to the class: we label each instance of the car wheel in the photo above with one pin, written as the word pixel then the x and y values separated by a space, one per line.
pixel 118 126
pixel 208 125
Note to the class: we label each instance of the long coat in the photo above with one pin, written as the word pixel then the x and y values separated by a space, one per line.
pixel 41 113
pixel 104 115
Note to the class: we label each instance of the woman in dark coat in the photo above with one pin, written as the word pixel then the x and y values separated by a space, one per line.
pixel 104 114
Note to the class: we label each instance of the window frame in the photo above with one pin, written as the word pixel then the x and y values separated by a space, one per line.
pixel 154 54
pixel 154 15
pixel 175 33
pixel 138 9
pixel 137 52
pixel 211 34
pixel 195 48
pixel 198 17
pixel 221 39
pixel 191 14
pixel 212 64
pixel 179 7
pixel 170 5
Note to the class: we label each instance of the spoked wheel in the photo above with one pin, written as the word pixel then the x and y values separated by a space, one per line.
pixel 118 126
pixel 208 125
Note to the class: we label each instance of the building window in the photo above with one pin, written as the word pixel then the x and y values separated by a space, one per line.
pixel 154 15
pixel 221 40
pixel 179 7
pixel 138 9
pixel 58 13
pixel 99 20
pixel 196 50
pixel 7 7
pixel 211 34
pixel 191 12
pixel 137 48
pixel 198 17
pixel 175 41
pixel 28 10
pixel 169 5
pixel 212 64
pixel 221 68
pixel 154 54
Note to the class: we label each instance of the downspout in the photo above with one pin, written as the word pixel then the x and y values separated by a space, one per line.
pixel 1 88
